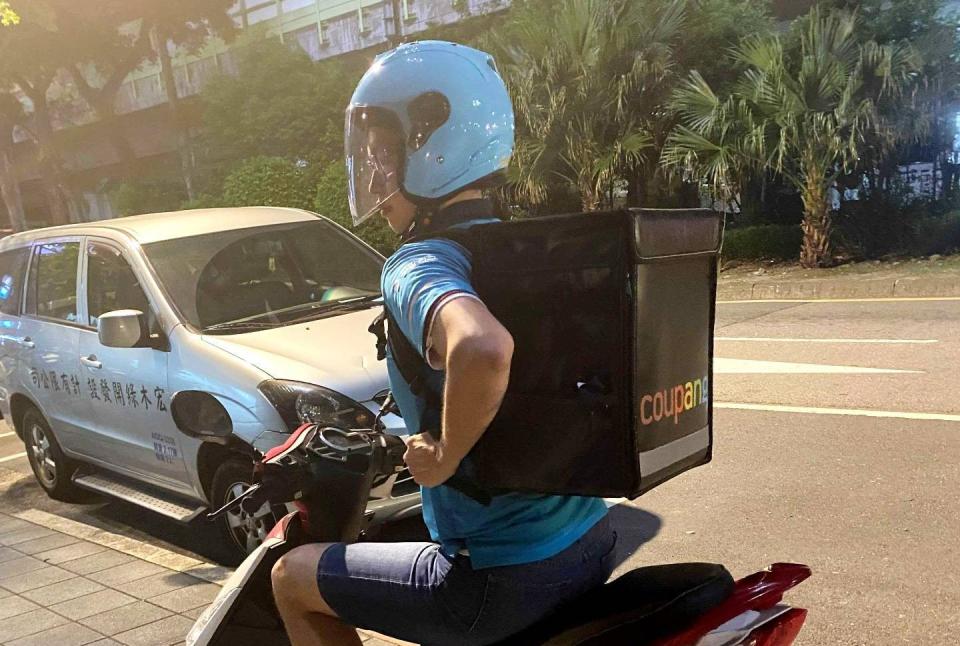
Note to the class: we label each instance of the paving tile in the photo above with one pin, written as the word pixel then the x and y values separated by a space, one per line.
pixel 92 604
pixel 63 591
pixel 28 533
pixel 158 584
pixel 5 593
pixel 10 524
pixel 211 573
pixel 167 631
pixel 8 554
pixel 13 606
pixel 187 598
pixel 36 579
pixel 124 573
pixel 47 543
pixel 96 562
pixel 195 613
pixel 29 624
pixel 21 565
pixel 66 635
pixel 70 552
pixel 106 642
pixel 126 618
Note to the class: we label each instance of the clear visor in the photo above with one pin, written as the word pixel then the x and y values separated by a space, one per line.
pixel 374 149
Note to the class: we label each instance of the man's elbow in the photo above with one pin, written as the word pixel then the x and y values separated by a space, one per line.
pixel 493 351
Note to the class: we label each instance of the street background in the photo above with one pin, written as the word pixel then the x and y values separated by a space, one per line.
pixel 837 431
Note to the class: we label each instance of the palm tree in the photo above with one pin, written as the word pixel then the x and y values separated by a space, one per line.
pixel 804 115
pixel 577 70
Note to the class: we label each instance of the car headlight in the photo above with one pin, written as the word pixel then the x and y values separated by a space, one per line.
pixel 299 403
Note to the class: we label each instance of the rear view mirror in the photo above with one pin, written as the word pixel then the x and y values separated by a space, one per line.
pixel 200 415
pixel 123 329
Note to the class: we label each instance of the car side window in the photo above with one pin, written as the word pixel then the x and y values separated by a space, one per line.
pixel 111 283
pixel 12 264
pixel 53 281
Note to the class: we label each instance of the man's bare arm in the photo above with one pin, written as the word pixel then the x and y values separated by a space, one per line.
pixel 475 351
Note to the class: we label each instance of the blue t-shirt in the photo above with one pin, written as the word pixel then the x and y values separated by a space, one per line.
pixel 516 527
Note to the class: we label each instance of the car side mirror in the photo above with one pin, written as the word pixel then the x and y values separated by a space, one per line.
pixel 124 329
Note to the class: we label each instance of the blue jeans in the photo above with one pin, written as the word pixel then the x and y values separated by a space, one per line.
pixel 412 591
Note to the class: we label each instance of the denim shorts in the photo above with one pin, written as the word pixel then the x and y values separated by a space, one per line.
pixel 412 591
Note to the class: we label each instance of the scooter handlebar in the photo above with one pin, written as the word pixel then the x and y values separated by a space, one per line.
pixel 243 499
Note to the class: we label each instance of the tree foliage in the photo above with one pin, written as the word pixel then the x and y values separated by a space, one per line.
pixel 280 104
pixel 269 181
pixel 8 17
pixel 577 71
pixel 805 113
pixel 331 201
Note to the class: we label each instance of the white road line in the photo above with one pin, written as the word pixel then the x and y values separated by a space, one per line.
pixel 791 340
pixel 774 408
pixel 844 300
pixel 8 434
pixel 13 457
pixel 724 366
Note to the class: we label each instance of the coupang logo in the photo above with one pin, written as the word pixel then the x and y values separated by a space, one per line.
pixel 673 402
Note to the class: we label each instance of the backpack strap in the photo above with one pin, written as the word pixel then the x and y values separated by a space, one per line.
pixel 414 371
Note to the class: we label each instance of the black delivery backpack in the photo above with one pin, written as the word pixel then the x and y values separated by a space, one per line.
pixel 612 318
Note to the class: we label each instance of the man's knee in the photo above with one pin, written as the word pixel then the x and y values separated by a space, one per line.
pixel 294 579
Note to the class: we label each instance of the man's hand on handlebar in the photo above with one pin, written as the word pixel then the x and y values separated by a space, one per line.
pixel 425 459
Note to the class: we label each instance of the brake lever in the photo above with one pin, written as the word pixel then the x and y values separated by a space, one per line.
pixel 236 502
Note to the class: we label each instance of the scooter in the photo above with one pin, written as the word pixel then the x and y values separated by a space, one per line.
pixel 327 473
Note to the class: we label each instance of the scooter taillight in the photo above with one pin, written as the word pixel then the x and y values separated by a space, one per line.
pixel 779 632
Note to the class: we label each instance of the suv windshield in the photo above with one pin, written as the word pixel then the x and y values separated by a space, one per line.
pixel 241 279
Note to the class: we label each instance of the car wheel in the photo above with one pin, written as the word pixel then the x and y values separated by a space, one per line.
pixel 51 467
pixel 242 532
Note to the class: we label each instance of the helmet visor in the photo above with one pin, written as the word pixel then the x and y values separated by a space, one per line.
pixel 375 153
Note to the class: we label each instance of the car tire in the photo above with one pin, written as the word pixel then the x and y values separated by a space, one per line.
pixel 240 532
pixel 52 469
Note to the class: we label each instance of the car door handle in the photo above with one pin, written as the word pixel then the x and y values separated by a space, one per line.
pixel 91 362
pixel 27 343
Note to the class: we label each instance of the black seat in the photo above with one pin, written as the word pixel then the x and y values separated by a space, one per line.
pixel 642 605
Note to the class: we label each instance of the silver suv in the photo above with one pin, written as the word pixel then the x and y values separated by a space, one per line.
pixel 123 343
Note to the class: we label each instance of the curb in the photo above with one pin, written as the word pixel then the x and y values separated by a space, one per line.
pixel 905 287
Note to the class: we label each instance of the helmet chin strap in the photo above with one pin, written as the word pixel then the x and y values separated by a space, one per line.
pixel 420 220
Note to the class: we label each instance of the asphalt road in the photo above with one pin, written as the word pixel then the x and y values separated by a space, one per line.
pixel 837 444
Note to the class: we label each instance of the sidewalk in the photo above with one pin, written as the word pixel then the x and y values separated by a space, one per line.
pixel 912 278
pixel 64 583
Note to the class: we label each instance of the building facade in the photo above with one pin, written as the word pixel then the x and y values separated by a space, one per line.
pixel 321 28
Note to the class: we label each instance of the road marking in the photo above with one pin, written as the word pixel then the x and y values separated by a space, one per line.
pixel 774 408
pixel 8 434
pixel 753 367
pixel 844 300
pixel 13 457
pixel 792 340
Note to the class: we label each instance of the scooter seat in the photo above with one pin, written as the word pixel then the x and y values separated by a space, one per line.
pixel 644 604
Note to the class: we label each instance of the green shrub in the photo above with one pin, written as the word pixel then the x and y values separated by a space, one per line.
pixel 936 234
pixel 204 202
pixel 331 201
pixel 877 224
pixel 269 181
pixel 778 241
pixel 147 196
